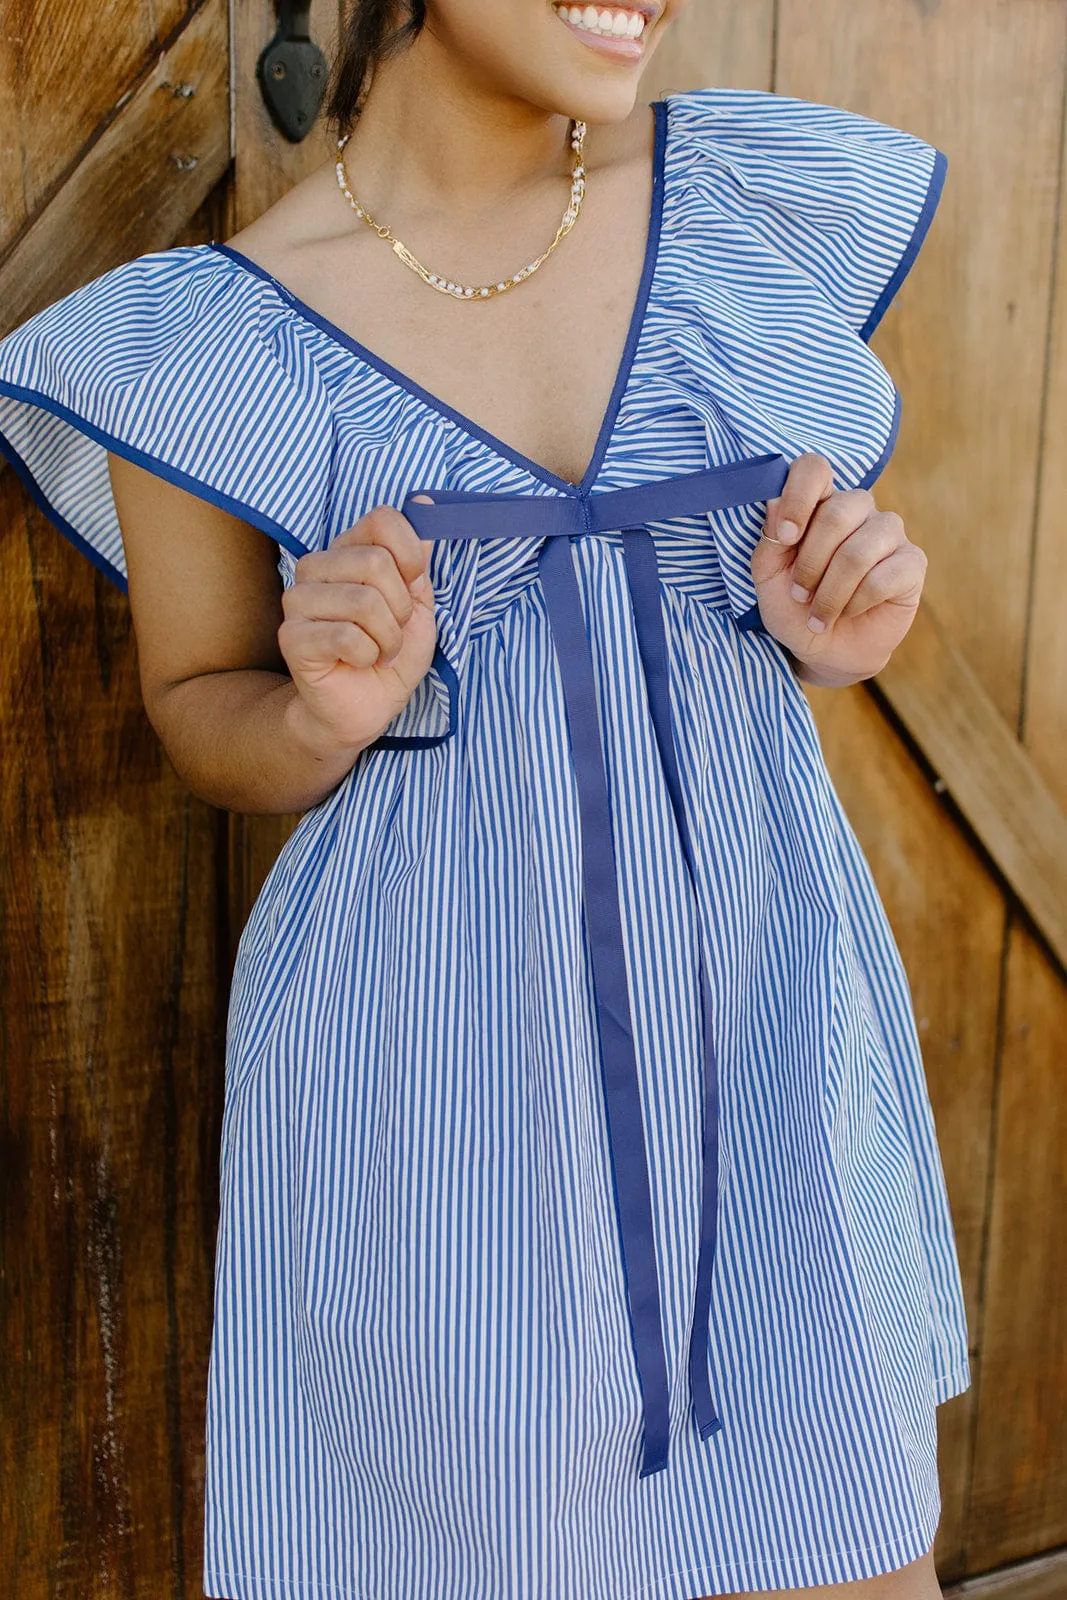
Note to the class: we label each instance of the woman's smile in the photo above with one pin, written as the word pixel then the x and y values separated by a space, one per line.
pixel 616 31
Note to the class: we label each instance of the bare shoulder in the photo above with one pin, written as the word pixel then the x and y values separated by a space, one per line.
pixel 306 217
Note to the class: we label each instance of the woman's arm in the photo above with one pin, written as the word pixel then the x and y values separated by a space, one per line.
pixel 264 697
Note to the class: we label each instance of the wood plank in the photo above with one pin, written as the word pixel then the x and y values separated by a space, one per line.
pixel 1044 1579
pixel 71 73
pixel 12 191
pixel 729 46
pixel 266 163
pixel 111 1088
pixel 1020 1477
pixel 983 80
pixel 947 914
pixel 965 343
pixel 73 67
pixel 136 187
pixel 941 701
pixel 1019 1488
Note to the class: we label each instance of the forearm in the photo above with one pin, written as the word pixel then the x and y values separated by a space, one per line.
pixel 243 741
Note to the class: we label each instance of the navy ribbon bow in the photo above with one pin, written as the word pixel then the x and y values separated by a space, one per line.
pixel 567 517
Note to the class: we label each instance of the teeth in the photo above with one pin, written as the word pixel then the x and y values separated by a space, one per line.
pixel 604 21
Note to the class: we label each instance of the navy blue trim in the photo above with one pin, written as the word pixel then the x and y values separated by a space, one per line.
pixel 466 424
pixel 140 458
pixel 426 741
pixel 225 502
pixel 890 445
pixel 915 244
pixel 37 495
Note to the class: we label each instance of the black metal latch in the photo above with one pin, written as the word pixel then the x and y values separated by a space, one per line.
pixel 292 72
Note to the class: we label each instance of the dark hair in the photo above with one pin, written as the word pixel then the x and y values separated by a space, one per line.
pixel 370 33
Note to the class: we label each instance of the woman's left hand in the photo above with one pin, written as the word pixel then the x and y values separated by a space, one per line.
pixel 860 575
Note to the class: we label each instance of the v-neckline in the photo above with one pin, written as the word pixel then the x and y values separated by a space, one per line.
pixel 467 424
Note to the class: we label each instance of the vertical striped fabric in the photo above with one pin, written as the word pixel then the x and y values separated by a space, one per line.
pixel 422 1379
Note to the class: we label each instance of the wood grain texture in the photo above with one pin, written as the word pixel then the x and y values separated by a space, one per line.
pixel 12 192
pixel 983 80
pixel 1043 1579
pixel 136 187
pixel 1019 1494
pixel 266 163
pixel 966 343
pixel 110 1098
pixel 725 45
pixel 940 699
pixel 68 70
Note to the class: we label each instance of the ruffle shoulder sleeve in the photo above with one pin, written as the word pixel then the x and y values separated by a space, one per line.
pixel 846 200
pixel 165 360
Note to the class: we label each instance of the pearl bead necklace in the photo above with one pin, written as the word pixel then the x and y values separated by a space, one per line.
pixel 478 291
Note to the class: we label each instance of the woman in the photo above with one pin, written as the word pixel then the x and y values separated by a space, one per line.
pixel 583 1229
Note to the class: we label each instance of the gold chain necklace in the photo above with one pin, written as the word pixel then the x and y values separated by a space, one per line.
pixel 474 291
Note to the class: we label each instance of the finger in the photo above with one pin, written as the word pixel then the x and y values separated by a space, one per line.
pixel 348 602
pixel 366 565
pixel 389 528
pixel 312 649
pixel 897 580
pixel 810 481
pixel 864 548
pixel 835 522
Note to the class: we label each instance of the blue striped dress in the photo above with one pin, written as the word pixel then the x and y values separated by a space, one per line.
pixel 583 1227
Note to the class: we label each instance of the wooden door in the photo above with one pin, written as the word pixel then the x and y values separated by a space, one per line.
pixel 121 896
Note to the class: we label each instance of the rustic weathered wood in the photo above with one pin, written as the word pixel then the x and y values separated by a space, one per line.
pixel 266 163
pixel 1044 1579
pixel 966 343
pixel 948 915
pixel 135 187
pixel 1020 1476
pixel 68 68
pixel 940 700
pixel 727 45
pixel 110 1083
pixel 12 187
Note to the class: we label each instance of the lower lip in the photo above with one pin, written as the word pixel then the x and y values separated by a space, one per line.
pixel 616 49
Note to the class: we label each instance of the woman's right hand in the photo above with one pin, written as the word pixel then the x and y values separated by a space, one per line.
pixel 359 630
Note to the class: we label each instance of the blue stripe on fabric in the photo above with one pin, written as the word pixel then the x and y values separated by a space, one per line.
pixel 498 445
pixel 448 515
pixel 37 495
pixel 140 458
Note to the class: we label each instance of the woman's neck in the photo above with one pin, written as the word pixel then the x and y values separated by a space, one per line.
pixel 431 135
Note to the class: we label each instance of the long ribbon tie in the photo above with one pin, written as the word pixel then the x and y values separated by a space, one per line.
pixel 558 520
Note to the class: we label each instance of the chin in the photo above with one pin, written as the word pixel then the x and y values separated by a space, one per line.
pixel 579 61
pixel 597 70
